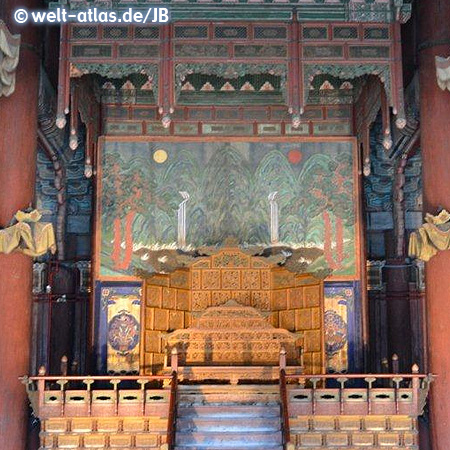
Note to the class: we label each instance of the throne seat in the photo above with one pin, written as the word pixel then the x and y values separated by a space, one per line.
pixel 233 342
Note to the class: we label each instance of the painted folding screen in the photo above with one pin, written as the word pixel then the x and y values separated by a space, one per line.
pixel 221 190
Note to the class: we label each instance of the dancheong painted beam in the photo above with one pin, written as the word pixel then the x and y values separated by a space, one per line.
pixel 260 10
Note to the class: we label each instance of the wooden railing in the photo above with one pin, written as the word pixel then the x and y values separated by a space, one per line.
pixel 366 393
pixel 300 395
pixel 100 396
pixel 53 396
pixel 285 428
pixel 349 394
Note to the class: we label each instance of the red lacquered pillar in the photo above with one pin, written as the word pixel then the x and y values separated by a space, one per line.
pixel 434 31
pixel 18 122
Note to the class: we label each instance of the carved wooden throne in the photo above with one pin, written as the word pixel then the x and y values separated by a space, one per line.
pixel 233 342
pixel 232 310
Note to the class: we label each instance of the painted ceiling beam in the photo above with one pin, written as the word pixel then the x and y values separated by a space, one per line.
pixel 381 11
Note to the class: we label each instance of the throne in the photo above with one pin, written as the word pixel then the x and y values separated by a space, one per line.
pixel 233 342
pixel 229 315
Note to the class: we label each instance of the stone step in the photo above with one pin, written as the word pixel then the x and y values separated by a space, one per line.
pixel 220 394
pixel 228 398
pixel 228 388
pixel 220 424
pixel 238 447
pixel 232 439
pixel 224 417
pixel 229 411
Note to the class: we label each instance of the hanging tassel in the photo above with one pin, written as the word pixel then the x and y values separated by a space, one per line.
pixel 73 140
pixel 63 75
pixel 387 139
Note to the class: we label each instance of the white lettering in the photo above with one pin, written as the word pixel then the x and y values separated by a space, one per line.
pixel 39 16
pixel 82 17
pixel 163 15
pixel 93 15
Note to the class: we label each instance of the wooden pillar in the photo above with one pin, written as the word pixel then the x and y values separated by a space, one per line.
pixel 434 39
pixel 18 121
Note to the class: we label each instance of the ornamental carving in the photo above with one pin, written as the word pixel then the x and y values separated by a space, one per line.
pixel 373 11
pixel 116 70
pixel 232 334
pixel 231 70
pixel 9 58
pixel 348 71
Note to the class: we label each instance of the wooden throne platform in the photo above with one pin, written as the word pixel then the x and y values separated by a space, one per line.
pixel 233 342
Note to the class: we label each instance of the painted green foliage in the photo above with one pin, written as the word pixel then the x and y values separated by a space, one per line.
pixel 228 184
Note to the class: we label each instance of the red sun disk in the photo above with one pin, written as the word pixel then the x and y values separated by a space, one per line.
pixel 295 156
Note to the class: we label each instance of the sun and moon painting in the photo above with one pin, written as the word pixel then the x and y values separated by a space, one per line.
pixel 225 189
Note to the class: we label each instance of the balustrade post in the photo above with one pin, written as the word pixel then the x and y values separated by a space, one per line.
pixel 369 381
pixel 41 388
pixel 74 368
pixel 397 381
pixel 64 364
pixel 116 395
pixel 62 383
pixel 174 360
pixel 314 382
pixel 284 402
pixel 143 383
pixel 415 385
pixel 341 381
pixel 395 364
pixel 384 365
pixel 282 358
pixel 88 382
pixel 172 409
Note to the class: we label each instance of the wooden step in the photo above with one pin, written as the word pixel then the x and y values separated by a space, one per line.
pixel 232 439
pixel 224 424
pixel 229 411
